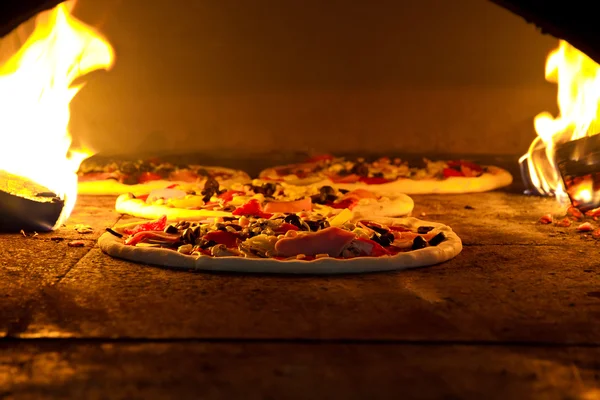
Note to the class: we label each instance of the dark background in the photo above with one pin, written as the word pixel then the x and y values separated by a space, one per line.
pixel 255 76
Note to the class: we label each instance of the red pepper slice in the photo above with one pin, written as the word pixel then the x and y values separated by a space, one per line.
pixel 251 208
pixel 229 239
pixel 283 228
pixel 142 197
pixel 158 225
pixel 148 177
pixel 228 195
pixel 462 163
pixel 348 203
pixel 449 172
pixel 377 250
pixel 374 180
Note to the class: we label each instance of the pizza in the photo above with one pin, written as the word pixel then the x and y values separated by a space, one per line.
pixel 392 176
pixel 295 243
pixel 115 177
pixel 212 199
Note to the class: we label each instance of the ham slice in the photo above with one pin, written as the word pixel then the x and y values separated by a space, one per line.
pixel 360 194
pixel 330 241
pixel 304 204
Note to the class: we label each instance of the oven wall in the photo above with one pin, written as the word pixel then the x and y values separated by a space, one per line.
pixel 432 76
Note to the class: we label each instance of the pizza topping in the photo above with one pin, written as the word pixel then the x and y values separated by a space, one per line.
pixel 251 208
pixel 226 238
pixel 419 243
pixel 437 239
pixel 424 229
pixel 165 194
pixel 546 219
pixel 330 241
pixel 304 204
pixel 305 235
pixel 157 225
pixel 152 237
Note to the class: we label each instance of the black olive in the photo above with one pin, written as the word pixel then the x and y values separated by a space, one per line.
pixel 360 169
pixel 343 172
pixel 456 168
pixel 210 188
pixel 202 172
pixel 183 225
pixel 378 175
pixel 424 229
pixel 294 220
pixel 343 191
pixel 191 235
pixel 327 193
pixel 419 243
pixel 236 227
pixel 191 192
pixel 128 167
pixel 145 166
pixel 384 239
pixel 437 239
pixel 376 228
pixel 171 229
pixel 317 225
pixel 131 179
pixel 205 244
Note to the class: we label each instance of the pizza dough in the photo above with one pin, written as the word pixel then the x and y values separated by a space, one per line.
pixel 397 205
pixel 386 177
pixel 428 256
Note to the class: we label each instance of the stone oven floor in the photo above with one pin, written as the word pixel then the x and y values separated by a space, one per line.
pixel 516 315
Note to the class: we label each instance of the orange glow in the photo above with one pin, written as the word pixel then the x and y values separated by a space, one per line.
pixel 35 92
pixel 578 80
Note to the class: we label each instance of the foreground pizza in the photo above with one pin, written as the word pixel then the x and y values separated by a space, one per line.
pixel 194 201
pixel 304 243
pixel 392 176
pixel 111 177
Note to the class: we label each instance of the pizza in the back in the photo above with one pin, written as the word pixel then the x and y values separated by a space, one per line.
pixel 114 177
pixel 195 201
pixel 302 242
pixel 392 176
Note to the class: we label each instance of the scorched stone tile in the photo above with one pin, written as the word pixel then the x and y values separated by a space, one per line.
pixel 97 212
pixel 488 293
pixel 28 265
pixel 295 371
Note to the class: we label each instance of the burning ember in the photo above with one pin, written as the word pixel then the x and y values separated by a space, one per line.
pixel 35 92
pixel 564 160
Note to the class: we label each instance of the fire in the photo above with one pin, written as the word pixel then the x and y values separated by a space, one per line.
pixel 36 87
pixel 578 79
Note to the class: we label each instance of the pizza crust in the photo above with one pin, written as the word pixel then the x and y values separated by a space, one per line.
pixel 428 256
pixel 127 204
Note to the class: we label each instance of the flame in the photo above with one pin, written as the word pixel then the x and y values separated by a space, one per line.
pixel 578 80
pixel 36 87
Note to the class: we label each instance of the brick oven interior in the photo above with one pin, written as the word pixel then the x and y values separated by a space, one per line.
pixel 252 84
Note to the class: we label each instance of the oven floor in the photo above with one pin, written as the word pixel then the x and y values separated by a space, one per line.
pixel 515 315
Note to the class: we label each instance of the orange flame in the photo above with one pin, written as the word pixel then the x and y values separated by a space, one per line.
pixel 578 80
pixel 35 92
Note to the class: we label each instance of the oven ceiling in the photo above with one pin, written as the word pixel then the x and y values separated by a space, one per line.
pixel 570 21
